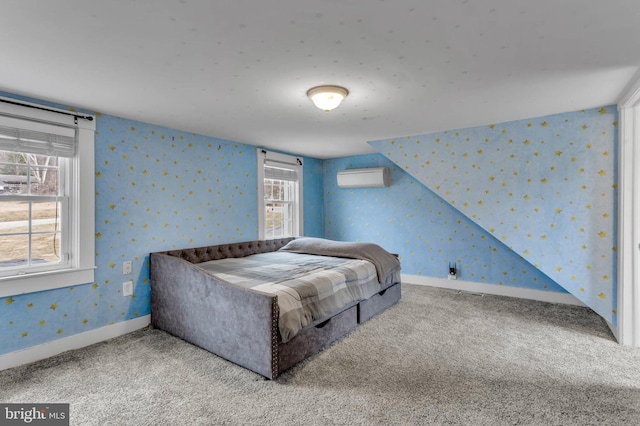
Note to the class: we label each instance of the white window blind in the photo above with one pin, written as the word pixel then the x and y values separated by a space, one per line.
pixel 37 137
pixel 280 171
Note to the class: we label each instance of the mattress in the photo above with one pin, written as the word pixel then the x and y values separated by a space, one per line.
pixel 310 288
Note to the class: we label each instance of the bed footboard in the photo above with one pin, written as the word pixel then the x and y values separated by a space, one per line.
pixel 237 324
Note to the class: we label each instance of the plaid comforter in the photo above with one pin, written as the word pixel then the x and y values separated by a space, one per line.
pixel 309 287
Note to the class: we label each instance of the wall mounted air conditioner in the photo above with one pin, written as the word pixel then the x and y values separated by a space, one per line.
pixel 374 177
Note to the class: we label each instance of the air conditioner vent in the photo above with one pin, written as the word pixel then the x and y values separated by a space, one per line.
pixel 373 177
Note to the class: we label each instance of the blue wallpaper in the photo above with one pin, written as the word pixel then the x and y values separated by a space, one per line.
pixel 494 199
pixel 546 187
pixel 156 189
pixel 427 232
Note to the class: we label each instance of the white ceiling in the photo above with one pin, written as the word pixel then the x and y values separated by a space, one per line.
pixel 240 69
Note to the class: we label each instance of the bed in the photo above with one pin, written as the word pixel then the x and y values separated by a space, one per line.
pixel 267 305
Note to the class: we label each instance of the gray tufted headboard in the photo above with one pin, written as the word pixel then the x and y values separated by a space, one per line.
pixel 223 251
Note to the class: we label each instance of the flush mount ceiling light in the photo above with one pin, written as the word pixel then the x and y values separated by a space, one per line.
pixel 327 97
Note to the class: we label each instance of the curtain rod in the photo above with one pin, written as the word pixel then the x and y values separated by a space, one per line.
pixel 74 114
pixel 298 160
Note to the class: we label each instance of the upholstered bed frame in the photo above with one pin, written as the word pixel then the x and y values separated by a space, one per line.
pixel 237 323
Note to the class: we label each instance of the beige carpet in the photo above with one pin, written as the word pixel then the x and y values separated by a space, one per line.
pixel 437 357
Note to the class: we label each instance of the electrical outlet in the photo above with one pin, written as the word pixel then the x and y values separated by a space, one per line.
pixel 127 288
pixel 453 271
pixel 127 267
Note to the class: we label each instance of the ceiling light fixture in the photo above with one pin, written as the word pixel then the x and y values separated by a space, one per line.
pixel 327 97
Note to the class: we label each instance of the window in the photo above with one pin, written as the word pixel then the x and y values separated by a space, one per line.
pixel 46 199
pixel 279 195
pixel 32 200
pixel 279 198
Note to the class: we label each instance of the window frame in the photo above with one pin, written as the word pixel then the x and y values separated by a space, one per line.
pixel 80 176
pixel 295 163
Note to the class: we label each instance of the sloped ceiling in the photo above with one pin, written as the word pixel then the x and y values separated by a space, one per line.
pixel 545 187
pixel 240 69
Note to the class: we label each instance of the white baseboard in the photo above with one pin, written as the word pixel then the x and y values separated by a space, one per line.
pixel 80 340
pixel 498 290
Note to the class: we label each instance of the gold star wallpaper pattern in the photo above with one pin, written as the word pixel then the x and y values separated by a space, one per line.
pixel 529 203
pixel 427 233
pixel 545 187
pixel 156 189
